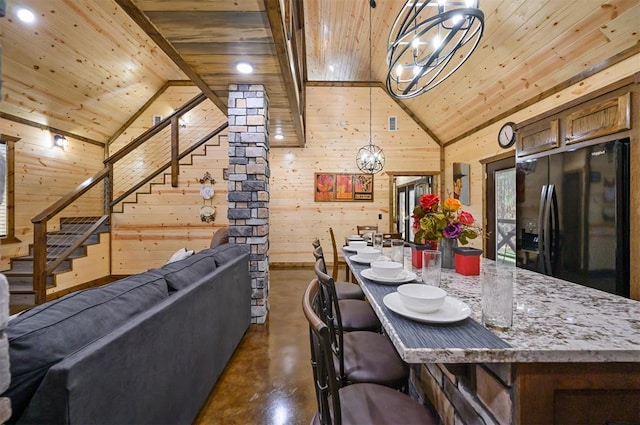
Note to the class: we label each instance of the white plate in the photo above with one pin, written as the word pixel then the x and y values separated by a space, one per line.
pixel 350 249
pixel 356 238
pixel 404 277
pixel 361 260
pixel 453 310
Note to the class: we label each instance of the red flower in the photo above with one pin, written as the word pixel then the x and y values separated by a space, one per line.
pixel 466 218
pixel 429 201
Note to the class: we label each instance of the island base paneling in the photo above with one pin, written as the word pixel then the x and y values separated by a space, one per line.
pixel 530 393
pixel 578 393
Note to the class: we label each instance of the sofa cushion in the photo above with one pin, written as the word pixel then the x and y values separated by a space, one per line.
pixel 183 273
pixel 225 253
pixel 46 334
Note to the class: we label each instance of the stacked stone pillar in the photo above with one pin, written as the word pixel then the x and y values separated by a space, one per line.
pixel 248 186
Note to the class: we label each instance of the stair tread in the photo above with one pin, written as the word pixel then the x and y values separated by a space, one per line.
pixel 26 273
pixel 21 288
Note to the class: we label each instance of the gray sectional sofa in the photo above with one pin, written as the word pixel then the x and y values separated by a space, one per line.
pixel 147 349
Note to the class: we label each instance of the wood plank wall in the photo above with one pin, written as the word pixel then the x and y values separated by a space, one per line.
pixel 43 174
pixel 483 145
pixel 337 126
pixel 147 233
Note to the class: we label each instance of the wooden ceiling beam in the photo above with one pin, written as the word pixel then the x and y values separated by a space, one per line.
pixel 143 22
pixel 563 85
pixel 49 128
pixel 274 13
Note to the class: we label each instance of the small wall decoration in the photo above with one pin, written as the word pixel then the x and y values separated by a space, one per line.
pixel 461 182
pixel 207 211
pixel 336 187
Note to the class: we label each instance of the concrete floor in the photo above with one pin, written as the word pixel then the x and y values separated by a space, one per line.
pixel 269 380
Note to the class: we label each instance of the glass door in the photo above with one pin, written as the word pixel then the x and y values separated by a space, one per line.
pixel 500 207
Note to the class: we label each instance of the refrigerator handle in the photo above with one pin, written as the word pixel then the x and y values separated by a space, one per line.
pixel 553 231
pixel 541 229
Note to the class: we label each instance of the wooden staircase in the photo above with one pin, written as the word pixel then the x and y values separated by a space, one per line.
pixel 20 275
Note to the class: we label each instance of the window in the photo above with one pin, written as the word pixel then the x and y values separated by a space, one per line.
pixel 7 210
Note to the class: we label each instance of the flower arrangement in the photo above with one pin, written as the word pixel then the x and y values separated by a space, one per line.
pixel 433 221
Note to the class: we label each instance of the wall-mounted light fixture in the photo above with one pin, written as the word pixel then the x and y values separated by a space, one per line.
pixel 59 141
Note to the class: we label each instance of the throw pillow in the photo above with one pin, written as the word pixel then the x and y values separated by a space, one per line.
pixel 180 254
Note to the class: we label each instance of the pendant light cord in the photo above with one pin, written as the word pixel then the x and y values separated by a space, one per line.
pixel 372 5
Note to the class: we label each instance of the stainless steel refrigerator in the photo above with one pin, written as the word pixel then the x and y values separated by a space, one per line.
pixel 572 215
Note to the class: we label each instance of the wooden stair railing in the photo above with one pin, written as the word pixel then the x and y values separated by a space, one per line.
pixel 41 267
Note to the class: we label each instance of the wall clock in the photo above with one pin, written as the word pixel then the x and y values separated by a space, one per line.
pixel 507 135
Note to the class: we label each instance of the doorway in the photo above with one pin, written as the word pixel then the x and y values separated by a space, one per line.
pixel 408 190
pixel 500 209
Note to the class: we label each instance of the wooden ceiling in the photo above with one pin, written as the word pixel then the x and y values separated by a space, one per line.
pixel 87 66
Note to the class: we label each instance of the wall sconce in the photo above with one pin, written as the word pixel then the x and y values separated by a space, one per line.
pixel 59 141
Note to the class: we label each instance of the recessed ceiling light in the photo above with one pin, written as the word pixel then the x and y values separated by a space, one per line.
pixel 244 68
pixel 279 137
pixel 25 15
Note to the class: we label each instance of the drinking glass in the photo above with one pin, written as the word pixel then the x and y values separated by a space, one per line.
pixel 378 241
pixel 397 250
pixel 431 267
pixel 497 295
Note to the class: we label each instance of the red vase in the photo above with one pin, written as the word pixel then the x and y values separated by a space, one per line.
pixel 416 252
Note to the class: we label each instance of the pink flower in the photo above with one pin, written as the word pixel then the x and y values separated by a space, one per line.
pixel 466 218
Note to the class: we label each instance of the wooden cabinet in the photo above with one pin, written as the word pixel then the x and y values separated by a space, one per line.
pixel 538 137
pixel 601 119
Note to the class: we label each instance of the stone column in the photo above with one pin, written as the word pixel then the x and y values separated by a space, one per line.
pixel 248 186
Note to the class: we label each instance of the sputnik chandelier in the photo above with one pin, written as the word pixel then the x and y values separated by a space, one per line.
pixel 370 158
pixel 428 42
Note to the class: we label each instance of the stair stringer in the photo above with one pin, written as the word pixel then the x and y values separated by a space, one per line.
pixel 95 265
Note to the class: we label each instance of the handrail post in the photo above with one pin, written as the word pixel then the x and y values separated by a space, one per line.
pixel 108 189
pixel 40 261
pixel 175 150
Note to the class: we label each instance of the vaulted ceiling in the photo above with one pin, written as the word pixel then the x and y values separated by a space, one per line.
pixel 87 66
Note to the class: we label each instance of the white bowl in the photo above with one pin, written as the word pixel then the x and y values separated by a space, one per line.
pixel 368 253
pixel 357 244
pixel 421 298
pixel 386 268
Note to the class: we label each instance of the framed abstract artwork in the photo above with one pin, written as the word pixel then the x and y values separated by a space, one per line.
pixel 342 187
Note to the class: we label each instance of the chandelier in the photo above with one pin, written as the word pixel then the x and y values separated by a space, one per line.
pixel 428 42
pixel 370 158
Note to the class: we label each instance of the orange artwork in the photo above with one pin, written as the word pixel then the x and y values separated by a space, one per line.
pixel 345 187
pixel 331 187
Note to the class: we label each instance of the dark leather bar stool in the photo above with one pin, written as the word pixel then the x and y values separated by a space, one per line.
pixel 356 315
pixel 344 290
pixel 360 356
pixel 361 403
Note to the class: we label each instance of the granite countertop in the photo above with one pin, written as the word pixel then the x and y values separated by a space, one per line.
pixel 553 321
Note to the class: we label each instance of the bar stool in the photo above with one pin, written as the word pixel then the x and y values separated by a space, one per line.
pixel 362 403
pixel 360 356
pixel 357 315
pixel 344 290
pixel 338 260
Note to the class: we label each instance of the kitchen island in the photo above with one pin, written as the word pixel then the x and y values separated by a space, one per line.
pixel 571 356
